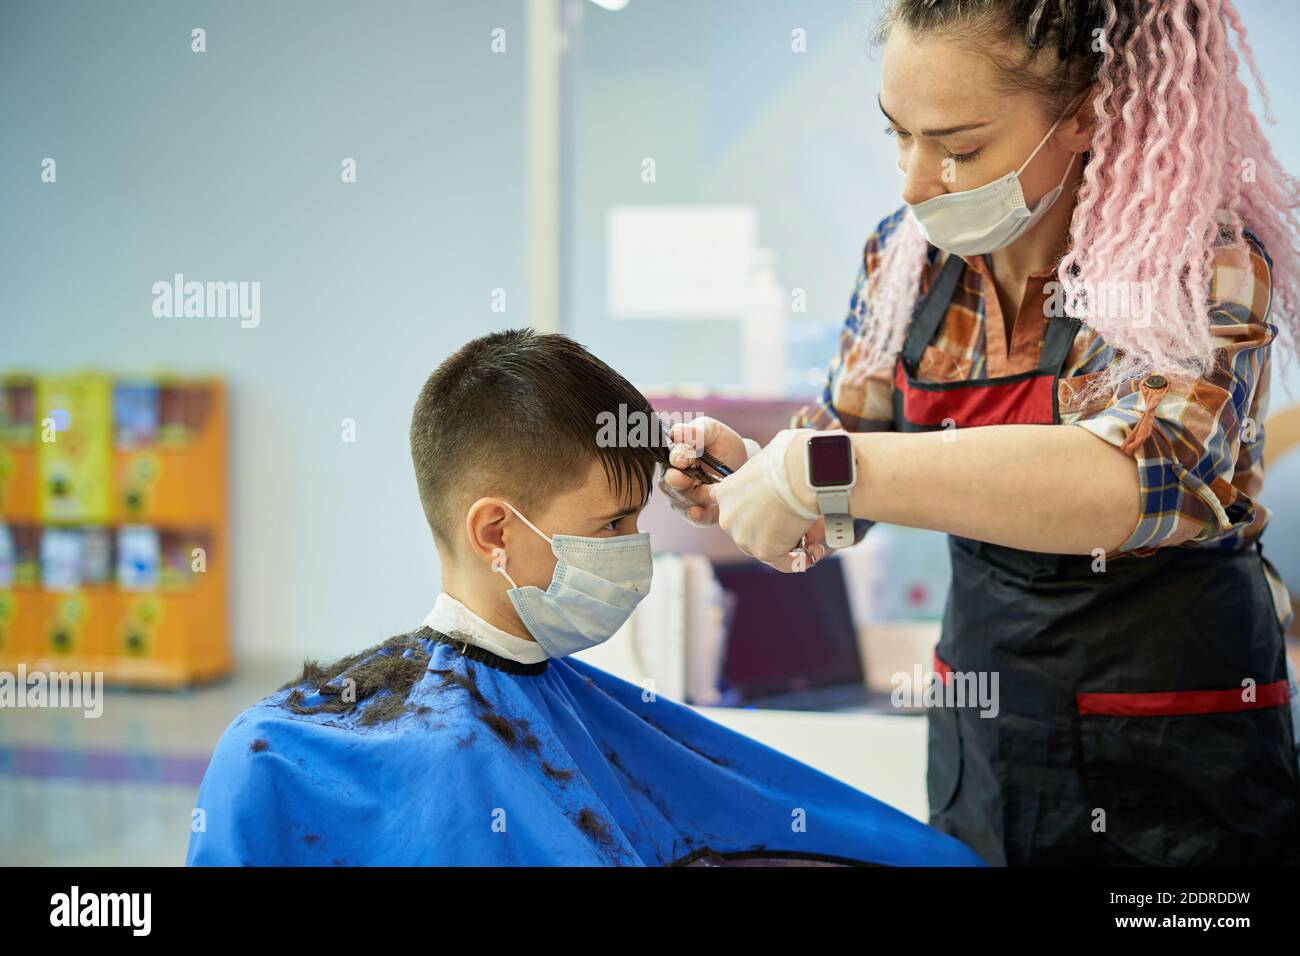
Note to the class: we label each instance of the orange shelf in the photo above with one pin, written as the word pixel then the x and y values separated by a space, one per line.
pixel 114 503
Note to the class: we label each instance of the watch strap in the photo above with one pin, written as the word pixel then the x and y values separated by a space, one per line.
pixel 833 502
pixel 834 506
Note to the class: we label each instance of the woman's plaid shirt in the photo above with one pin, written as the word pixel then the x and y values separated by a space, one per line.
pixel 1198 442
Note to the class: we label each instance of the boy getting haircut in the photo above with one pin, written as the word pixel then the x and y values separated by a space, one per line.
pixel 476 738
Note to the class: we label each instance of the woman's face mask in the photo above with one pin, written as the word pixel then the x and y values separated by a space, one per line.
pixel 596 585
pixel 989 217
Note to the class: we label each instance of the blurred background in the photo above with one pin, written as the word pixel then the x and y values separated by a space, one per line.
pixel 384 182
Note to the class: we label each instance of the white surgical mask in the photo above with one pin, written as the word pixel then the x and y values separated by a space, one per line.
pixel 989 217
pixel 597 584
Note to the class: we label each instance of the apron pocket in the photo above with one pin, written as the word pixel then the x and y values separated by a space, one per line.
pixel 943 774
pixel 1182 788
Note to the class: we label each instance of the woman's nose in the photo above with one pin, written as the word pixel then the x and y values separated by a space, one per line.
pixel 918 186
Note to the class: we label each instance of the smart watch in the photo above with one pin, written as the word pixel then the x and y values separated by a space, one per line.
pixel 831 470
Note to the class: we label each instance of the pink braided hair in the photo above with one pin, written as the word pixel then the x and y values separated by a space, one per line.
pixel 1177 163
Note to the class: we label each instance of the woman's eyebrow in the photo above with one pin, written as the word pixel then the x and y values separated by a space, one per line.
pixel 934 133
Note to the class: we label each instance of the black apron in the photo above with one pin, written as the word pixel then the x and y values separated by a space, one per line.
pixel 1123 734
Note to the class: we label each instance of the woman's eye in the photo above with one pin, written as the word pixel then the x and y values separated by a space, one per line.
pixel 964 157
pixel 890 131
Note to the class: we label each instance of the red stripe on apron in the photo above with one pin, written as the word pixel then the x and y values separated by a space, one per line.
pixel 1173 703
pixel 941 668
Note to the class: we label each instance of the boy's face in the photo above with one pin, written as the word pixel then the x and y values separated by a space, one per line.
pixel 590 509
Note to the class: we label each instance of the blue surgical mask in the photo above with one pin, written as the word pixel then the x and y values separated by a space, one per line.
pixel 597 584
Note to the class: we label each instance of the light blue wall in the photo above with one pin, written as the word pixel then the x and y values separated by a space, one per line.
pixel 226 166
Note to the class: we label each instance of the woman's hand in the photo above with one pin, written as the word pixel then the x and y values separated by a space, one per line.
pixel 812 548
pixel 766 506
pixel 689 497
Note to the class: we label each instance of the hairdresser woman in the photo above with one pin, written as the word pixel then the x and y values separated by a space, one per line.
pixel 1058 353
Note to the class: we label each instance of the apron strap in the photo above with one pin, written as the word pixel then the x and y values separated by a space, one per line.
pixel 931 310
pixel 1061 330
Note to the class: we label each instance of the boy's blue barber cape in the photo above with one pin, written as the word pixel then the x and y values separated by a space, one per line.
pixel 492 762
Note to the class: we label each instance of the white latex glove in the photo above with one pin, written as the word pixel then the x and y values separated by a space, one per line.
pixel 812 549
pixel 688 497
pixel 765 515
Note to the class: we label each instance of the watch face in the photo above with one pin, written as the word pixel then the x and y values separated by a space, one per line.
pixel 830 460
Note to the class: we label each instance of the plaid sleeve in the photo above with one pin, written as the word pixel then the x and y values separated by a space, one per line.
pixel 1190 435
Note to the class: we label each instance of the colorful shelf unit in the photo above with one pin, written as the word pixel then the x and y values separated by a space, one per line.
pixel 114 540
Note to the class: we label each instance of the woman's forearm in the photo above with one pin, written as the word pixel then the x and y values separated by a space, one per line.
pixel 1052 488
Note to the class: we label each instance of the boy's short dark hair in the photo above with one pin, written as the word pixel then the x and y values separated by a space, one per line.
pixel 519 414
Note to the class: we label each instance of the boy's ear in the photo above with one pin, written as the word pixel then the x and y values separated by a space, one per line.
pixel 485 527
